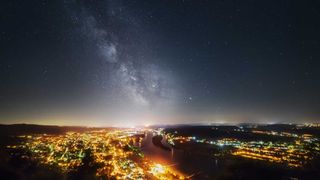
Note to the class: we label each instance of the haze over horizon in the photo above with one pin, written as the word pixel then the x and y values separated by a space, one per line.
pixel 128 62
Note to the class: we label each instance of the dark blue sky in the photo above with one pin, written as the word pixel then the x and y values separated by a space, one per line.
pixel 143 62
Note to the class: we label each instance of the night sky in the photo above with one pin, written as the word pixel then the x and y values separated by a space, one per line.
pixel 127 62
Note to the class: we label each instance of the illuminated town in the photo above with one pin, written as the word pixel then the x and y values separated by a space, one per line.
pixel 296 153
pixel 165 152
pixel 116 153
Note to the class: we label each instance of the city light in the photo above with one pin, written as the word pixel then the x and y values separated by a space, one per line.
pixel 115 152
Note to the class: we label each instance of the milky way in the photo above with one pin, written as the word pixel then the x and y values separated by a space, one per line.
pixel 134 84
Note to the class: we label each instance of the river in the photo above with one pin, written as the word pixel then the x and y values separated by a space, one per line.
pixel 187 163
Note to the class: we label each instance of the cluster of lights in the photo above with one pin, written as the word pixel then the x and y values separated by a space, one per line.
pixel 316 125
pixel 116 152
pixel 274 133
pixel 292 154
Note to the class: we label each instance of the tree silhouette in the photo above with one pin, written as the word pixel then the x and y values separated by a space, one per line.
pixel 88 168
